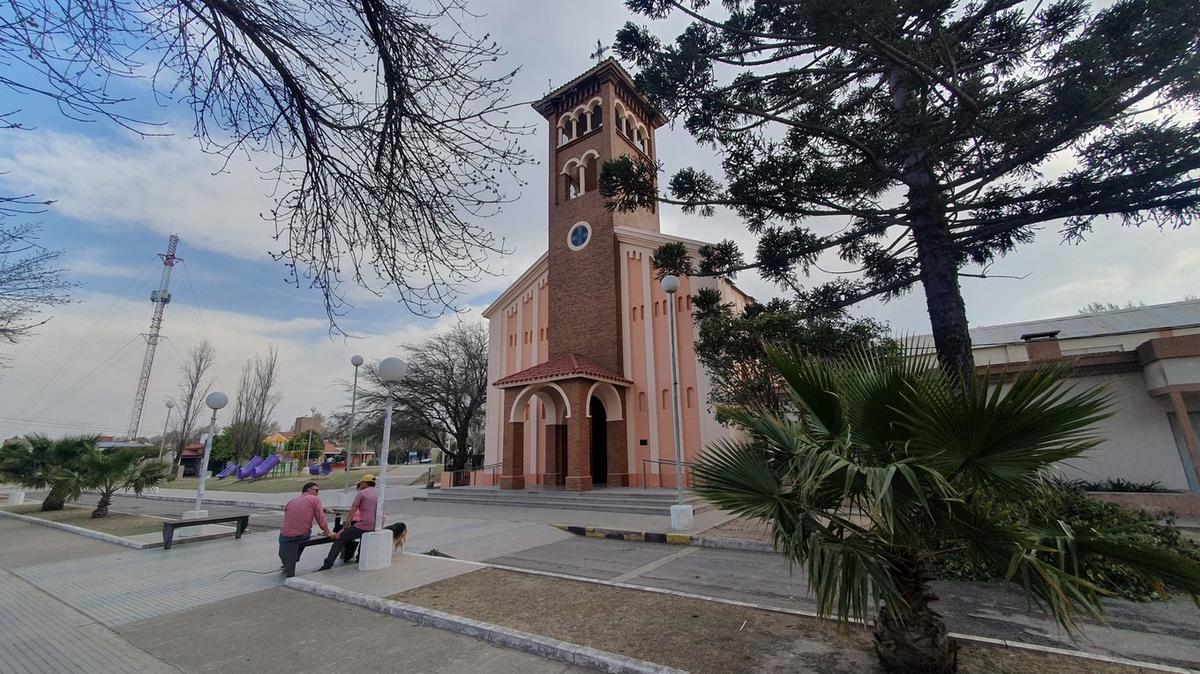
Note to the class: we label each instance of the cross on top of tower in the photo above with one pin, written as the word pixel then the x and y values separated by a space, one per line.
pixel 601 50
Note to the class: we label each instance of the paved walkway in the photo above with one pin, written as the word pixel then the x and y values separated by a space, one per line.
pixel 73 604
pixel 40 634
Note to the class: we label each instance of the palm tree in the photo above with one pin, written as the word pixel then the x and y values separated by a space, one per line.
pixel 109 472
pixel 882 457
pixel 37 462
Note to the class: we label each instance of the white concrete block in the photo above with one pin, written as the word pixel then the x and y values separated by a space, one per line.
pixel 375 550
pixel 16 497
pixel 683 517
pixel 194 515
pixel 346 498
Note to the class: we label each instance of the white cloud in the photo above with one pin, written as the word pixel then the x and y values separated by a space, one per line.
pixel 82 367
pixel 159 184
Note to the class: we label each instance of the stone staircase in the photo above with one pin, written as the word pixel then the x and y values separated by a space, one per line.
pixel 625 500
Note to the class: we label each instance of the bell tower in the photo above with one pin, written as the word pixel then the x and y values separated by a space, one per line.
pixel 594 118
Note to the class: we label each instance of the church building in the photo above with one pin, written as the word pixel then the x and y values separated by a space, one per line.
pixel 579 351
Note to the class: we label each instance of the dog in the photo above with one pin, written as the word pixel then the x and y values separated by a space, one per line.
pixel 399 538
pixel 399 534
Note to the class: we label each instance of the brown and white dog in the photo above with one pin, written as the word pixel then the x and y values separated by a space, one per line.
pixel 399 534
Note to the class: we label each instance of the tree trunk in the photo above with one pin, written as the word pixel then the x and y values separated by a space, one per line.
pixel 911 637
pixel 102 507
pixel 54 500
pixel 937 254
pixel 943 298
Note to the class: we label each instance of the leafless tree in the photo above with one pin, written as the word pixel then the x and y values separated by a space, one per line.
pixel 385 121
pixel 30 278
pixel 193 387
pixel 255 403
pixel 441 400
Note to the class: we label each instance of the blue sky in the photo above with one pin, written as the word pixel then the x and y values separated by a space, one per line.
pixel 118 196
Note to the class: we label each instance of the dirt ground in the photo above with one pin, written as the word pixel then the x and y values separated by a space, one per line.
pixel 742 529
pixel 117 524
pixel 692 634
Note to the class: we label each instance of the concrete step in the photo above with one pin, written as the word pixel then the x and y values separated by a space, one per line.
pixel 655 496
pixel 597 501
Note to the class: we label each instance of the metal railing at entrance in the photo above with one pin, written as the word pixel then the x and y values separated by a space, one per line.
pixel 468 477
pixel 689 477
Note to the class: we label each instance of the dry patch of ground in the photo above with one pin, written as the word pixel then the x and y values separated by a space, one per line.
pixel 696 635
pixel 117 524
pixel 741 528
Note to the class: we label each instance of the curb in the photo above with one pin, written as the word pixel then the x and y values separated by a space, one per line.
pixel 545 647
pixel 99 535
pixel 210 501
pixel 669 538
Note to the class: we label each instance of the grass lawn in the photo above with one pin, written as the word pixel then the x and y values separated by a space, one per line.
pixel 704 637
pixel 117 524
pixel 293 482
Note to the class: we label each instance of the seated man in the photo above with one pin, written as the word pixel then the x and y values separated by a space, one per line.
pixel 361 518
pixel 298 517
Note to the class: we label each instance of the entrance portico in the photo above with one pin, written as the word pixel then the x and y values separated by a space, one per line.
pixel 585 439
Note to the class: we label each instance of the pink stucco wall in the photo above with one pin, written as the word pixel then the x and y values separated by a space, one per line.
pixel 522 323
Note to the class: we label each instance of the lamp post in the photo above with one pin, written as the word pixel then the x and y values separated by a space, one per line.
pixel 356 361
pixel 162 443
pixel 681 515
pixel 377 545
pixel 215 401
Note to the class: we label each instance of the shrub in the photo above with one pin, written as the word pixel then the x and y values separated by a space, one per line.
pixel 1081 512
pixel 1118 484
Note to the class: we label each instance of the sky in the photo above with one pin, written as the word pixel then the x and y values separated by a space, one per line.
pixel 118 196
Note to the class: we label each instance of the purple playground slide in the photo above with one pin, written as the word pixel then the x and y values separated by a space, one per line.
pixel 246 470
pixel 266 466
pixel 227 472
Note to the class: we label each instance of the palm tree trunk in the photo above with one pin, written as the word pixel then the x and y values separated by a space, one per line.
pixel 911 637
pixel 102 507
pixel 54 500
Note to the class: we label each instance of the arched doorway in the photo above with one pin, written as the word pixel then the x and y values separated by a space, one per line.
pixel 599 441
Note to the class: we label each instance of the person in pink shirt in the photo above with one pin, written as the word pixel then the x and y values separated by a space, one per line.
pixel 361 518
pixel 298 517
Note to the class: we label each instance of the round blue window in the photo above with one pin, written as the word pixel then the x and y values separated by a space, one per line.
pixel 579 235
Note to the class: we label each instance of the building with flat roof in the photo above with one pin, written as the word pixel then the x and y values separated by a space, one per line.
pixel 1148 358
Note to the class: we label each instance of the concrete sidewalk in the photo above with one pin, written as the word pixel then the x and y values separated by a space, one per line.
pixel 81 605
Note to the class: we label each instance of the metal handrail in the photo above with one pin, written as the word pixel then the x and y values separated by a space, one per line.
pixel 688 481
pixel 471 471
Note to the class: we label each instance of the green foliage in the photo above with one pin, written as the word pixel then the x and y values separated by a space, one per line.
pixel 112 471
pixel 1082 513
pixel 302 443
pixel 37 462
pixel 913 139
pixel 1119 484
pixel 731 344
pixel 880 458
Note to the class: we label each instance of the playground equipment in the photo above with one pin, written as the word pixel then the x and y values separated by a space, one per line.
pixel 229 470
pixel 321 469
pixel 248 469
pixel 265 467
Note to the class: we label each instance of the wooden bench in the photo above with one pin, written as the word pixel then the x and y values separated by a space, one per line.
pixel 169 528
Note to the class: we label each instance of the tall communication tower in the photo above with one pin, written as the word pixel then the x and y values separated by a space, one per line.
pixel 160 298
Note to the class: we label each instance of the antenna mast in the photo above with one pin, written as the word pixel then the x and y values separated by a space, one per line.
pixel 160 298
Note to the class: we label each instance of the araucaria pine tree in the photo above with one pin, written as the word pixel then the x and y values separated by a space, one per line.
pixel 915 139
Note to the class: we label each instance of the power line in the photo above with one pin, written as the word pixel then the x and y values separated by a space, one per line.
pixel 78 385
pixel 81 347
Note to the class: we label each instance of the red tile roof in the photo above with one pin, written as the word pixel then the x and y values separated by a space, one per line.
pixel 563 367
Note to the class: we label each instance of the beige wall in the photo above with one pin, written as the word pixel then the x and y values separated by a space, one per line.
pixel 1139 444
